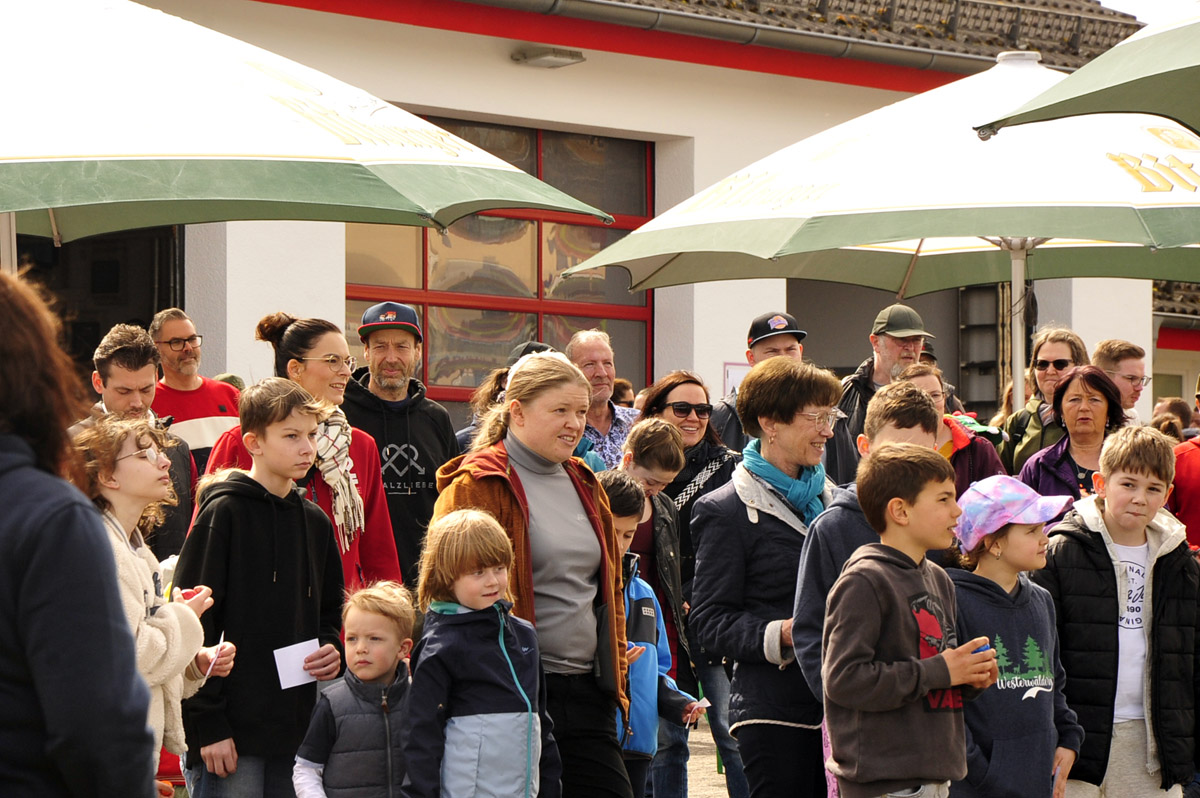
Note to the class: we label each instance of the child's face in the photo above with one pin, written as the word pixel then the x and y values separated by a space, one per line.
pixel 1130 500
pixel 626 527
pixel 142 472
pixel 1024 547
pixel 933 516
pixel 374 647
pixel 652 480
pixel 287 448
pixel 481 588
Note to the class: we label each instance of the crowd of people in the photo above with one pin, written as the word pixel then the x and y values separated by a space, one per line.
pixel 314 586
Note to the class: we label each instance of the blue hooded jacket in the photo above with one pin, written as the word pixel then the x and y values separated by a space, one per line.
pixel 1014 726
pixel 652 692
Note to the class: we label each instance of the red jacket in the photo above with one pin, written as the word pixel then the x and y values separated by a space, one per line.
pixel 372 554
pixel 1184 501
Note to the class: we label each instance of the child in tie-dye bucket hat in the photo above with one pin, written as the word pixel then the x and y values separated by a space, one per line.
pixel 1022 738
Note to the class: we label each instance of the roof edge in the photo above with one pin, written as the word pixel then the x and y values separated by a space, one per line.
pixel 751 33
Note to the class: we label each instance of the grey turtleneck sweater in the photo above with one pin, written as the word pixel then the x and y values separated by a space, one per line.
pixel 566 562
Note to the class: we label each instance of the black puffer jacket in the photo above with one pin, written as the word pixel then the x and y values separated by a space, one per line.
pixel 698 457
pixel 750 544
pixel 841 453
pixel 1081 578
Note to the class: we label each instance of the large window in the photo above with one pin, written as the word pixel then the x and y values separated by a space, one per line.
pixel 494 280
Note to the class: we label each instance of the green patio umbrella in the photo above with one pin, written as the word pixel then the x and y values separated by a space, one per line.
pixel 1154 71
pixel 119 116
pixel 908 199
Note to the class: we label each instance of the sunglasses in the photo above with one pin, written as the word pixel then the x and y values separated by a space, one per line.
pixel 1059 365
pixel 685 409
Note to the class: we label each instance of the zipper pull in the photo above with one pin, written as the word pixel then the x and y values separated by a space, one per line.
pixel 385 706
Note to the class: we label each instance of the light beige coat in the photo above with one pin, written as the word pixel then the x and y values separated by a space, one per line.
pixel 166 636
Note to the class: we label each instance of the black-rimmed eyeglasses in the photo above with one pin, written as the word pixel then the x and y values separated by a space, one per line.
pixel 177 344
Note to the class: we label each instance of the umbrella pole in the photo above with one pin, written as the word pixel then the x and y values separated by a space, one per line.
pixel 1017 256
pixel 8 243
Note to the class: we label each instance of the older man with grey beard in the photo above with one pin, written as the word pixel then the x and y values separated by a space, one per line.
pixel 414 433
pixel 896 340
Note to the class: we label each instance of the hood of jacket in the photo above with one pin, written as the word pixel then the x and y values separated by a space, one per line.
pixel 236 482
pixel 845 497
pixel 491 461
pixel 15 452
pixel 882 553
pixel 358 392
pixel 989 592
pixel 1164 532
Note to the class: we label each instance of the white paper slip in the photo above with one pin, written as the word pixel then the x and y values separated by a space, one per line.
pixel 289 661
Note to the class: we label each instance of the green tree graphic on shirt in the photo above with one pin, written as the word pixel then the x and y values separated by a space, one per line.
pixel 1035 660
pixel 1002 660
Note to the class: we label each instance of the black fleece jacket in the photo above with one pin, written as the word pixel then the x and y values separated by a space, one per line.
pixel 415 437
pixel 276 576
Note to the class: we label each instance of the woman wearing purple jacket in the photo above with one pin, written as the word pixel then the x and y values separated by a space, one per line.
pixel 1088 404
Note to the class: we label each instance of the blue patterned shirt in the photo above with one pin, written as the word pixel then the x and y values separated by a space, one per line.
pixel 609 446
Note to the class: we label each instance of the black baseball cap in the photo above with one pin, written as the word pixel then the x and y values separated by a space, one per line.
pixel 527 348
pixel 773 323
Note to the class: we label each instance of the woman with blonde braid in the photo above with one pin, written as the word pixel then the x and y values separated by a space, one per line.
pixel 346 481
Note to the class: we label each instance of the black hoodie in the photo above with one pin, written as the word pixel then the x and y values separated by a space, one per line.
pixel 276 577
pixel 415 437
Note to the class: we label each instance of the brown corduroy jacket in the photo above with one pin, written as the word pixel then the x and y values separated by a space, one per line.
pixel 485 480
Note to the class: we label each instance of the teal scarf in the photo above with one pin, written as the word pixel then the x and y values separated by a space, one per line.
pixel 803 493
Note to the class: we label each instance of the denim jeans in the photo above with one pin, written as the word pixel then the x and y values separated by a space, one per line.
pixel 255 777
pixel 668 772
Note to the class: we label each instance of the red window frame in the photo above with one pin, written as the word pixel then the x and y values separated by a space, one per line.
pixel 424 296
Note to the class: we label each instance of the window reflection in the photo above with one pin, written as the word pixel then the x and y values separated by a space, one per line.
pixel 517 145
pixel 485 255
pixel 466 344
pixel 383 254
pixel 628 341
pixel 567 245
pixel 605 172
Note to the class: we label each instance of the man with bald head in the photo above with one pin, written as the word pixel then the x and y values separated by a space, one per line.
pixel 607 423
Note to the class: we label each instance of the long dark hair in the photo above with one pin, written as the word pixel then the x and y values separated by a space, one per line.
pixel 41 394
pixel 656 399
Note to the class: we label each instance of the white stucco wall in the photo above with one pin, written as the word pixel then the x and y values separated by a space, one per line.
pixel 241 271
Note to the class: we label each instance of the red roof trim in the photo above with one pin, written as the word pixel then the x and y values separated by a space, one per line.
pixel 584 34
